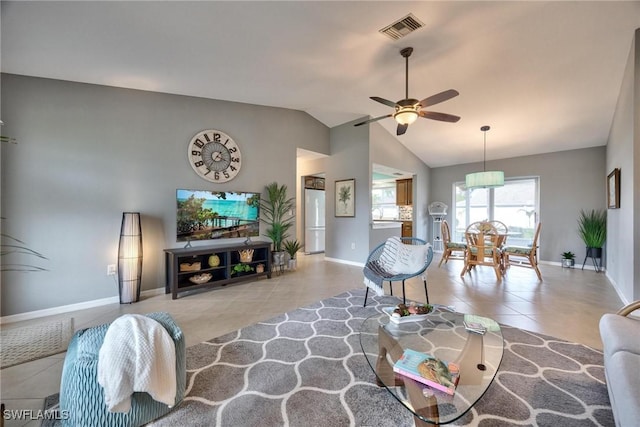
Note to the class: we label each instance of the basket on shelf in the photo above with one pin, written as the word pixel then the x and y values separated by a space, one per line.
pixel 200 278
pixel 186 266
pixel 246 255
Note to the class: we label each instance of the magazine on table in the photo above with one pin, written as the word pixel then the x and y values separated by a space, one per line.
pixel 429 370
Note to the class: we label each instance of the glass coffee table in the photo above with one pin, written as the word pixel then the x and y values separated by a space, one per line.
pixel 442 334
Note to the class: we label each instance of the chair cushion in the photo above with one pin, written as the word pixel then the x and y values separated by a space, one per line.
pixel 410 259
pixel 521 250
pixel 619 333
pixel 389 253
pixel 456 245
pixel 623 387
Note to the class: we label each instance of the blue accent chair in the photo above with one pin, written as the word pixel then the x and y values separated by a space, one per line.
pixel 373 271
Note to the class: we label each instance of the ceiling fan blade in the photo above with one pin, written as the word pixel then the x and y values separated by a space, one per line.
pixel 373 120
pixel 383 101
pixel 439 97
pixel 401 129
pixel 443 117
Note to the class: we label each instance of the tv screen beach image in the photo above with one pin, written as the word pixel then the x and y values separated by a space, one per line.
pixel 204 215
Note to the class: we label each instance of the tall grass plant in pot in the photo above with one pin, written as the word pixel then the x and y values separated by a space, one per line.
pixel 592 228
pixel 276 213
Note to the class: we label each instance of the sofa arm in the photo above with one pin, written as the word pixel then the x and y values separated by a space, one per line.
pixel 629 308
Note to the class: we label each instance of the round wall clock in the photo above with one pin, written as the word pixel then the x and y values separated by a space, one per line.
pixel 214 156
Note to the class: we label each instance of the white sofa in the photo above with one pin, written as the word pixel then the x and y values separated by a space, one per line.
pixel 621 344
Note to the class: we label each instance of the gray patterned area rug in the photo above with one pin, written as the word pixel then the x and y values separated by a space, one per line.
pixel 306 368
pixel 20 345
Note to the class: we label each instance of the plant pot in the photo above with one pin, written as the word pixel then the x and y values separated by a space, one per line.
pixel 594 252
pixel 293 264
pixel 260 268
pixel 278 258
pixel 568 262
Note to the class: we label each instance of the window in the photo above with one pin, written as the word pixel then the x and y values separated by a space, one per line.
pixel 515 204
pixel 383 200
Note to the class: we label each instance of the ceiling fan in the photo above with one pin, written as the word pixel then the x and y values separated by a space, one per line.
pixel 408 110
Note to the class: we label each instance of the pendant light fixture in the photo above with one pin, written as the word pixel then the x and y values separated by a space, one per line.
pixel 485 179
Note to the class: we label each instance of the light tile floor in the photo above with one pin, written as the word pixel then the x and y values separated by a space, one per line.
pixel 567 304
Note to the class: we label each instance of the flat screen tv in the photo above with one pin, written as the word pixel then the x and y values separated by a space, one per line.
pixel 205 215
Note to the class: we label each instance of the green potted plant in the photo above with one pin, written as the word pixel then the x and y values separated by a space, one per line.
pixel 592 228
pixel 276 213
pixel 568 259
pixel 292 247
pixel 241 268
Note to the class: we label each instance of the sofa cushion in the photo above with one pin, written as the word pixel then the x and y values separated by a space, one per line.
pixel 619 333
pixel 624 387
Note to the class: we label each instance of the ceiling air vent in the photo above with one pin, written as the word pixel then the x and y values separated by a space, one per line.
pixel 402 27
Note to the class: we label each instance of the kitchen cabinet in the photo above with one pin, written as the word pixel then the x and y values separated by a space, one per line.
pixel 404 192
pixel 407 229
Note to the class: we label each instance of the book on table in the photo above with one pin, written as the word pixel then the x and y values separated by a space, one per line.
pixel 428 370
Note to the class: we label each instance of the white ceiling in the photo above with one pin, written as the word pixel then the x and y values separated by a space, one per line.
pixel 544 75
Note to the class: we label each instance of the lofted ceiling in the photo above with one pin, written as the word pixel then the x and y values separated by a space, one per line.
pixel 544 75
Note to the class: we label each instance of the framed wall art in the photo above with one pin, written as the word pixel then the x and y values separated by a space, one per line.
pixel 613 189
pixel 345 198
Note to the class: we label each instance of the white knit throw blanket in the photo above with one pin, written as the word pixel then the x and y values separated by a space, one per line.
pixel 137 354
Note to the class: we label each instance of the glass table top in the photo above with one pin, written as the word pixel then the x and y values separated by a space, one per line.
pixel 441 334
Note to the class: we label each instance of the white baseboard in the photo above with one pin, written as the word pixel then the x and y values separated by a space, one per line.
pixel 72 307
pixel 576 266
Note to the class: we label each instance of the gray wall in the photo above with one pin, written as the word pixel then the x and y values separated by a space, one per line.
pixel 623 151
pixel 569 181
pixel 87 153
pixel 348 238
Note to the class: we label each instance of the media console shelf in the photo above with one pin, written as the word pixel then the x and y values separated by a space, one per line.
pixel 183 265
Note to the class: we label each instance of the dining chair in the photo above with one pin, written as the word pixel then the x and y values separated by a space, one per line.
pixel 449 247
pixel 502 229
pixel 483 248
pixel 525 256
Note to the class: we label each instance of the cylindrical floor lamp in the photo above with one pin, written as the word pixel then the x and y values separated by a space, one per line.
pixel 130 258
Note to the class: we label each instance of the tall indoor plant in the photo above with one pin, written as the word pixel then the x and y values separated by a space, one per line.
pixel 276 213
pixel 592 228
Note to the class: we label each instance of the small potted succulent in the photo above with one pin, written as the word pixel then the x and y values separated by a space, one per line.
pixel 292 247
pixel 568 259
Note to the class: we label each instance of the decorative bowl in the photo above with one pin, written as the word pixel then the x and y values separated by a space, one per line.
pixel 185 266
pixel 200 278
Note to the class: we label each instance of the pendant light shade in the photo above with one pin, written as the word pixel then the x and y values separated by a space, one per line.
pixel 130 258
pixel 487 179
pixel 484 179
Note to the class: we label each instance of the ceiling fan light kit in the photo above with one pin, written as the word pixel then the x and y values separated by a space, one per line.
pixel 408 110
pixel 406 115
pixel 484 179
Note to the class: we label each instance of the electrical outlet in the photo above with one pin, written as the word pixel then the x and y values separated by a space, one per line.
pixel 111 270
pixel 353 245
